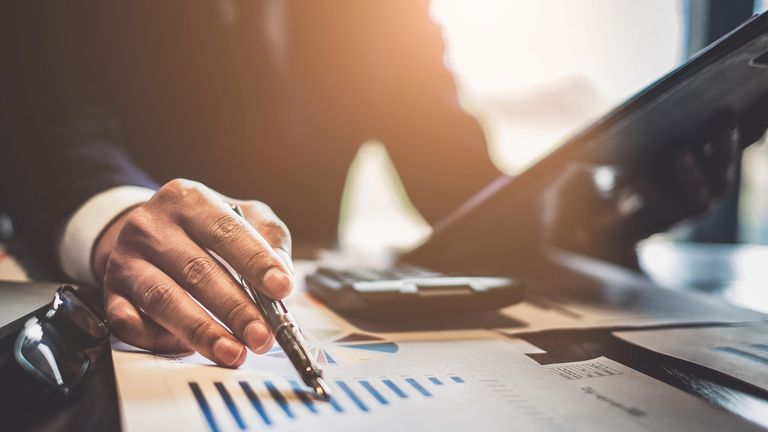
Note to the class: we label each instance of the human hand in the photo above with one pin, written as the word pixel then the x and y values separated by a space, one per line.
pixel 603 211
pixel 159 276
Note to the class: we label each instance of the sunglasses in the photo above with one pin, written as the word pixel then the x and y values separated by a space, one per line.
pixel 54 348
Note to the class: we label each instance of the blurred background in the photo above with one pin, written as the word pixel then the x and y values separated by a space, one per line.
pixel 531 92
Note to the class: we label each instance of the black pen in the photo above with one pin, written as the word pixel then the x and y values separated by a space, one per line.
pixel 287 334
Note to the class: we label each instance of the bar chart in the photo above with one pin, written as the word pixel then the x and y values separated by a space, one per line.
pixel 224 404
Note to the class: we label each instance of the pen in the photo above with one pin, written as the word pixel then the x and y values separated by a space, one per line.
pixel 287 334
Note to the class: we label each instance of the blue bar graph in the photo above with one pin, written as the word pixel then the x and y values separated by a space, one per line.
pixel 298 389
pixel 398 391
pixel 257 405
pixel 279 398
pixel 335 404
pixel 227 398
pixel 415 384
pixel 352 395
pixel 204 407
pixel 372 390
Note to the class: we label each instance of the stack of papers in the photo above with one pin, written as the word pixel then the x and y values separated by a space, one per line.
pixel 739 351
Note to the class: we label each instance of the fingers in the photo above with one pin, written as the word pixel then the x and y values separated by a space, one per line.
pixel 669 189
pixel 691 183
pixel 206 280
pixel 690 187
pixel 135 328
pixel 167 304
pixel 678 192
pixel 213 225
pixel 271 227
pixel 717 156
pixel 165 260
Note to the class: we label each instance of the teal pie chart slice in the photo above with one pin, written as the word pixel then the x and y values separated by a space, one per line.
pixel 330 347
pixel 385 347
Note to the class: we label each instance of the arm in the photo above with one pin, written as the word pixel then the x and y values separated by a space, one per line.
pixel 164 289
pixel 440 151
pixel 55 153
pixel 375 69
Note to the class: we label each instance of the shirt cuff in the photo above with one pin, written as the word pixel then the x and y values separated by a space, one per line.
pixel 87 223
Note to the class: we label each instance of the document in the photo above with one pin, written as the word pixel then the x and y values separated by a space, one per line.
pixel 621 306
pixel 607 296
pixel 445 380
pixel 651 404
pixel 739 351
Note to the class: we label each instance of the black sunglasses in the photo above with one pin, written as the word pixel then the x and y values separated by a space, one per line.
pixel 55 347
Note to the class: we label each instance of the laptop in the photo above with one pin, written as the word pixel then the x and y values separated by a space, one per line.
pixel 729 78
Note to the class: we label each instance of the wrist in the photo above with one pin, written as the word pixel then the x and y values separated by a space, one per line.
pixel 105 244
pixel 76 248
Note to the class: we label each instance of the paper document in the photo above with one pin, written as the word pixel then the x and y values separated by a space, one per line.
pixel 617 298
pixel 652 404
pixel 457 380
pixel 739 351
pixel 622 306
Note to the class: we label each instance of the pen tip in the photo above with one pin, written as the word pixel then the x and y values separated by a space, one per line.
pixel 321 388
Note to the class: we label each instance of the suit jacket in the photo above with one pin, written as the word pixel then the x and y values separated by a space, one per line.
pixel 265 99
pixel 56 148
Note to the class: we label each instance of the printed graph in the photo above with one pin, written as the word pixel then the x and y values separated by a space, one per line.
pixel 254 404
pixel 331 347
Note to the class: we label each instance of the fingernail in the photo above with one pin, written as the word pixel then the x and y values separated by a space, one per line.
pixel 277 282
pixel 227 351
pixel 256 336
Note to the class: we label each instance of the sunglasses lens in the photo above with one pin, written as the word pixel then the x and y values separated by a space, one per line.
pixel 40 353
pixel 74 317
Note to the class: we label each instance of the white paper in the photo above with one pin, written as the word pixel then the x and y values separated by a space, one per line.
pixel 457 380
pixel 739 351
pixel 651 404
pixel 617 298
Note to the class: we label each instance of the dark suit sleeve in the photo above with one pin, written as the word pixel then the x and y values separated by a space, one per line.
pixel 57 149
pixel 439 150
pixel 386 77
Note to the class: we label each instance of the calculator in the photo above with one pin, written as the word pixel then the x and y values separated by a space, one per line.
pixel 406 288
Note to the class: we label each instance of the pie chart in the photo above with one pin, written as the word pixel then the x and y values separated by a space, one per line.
pixel 331 347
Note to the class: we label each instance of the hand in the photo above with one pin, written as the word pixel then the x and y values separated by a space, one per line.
pixel 604 211
pixel 160 275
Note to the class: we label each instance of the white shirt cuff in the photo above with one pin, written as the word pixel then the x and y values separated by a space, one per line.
pixel 87 223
